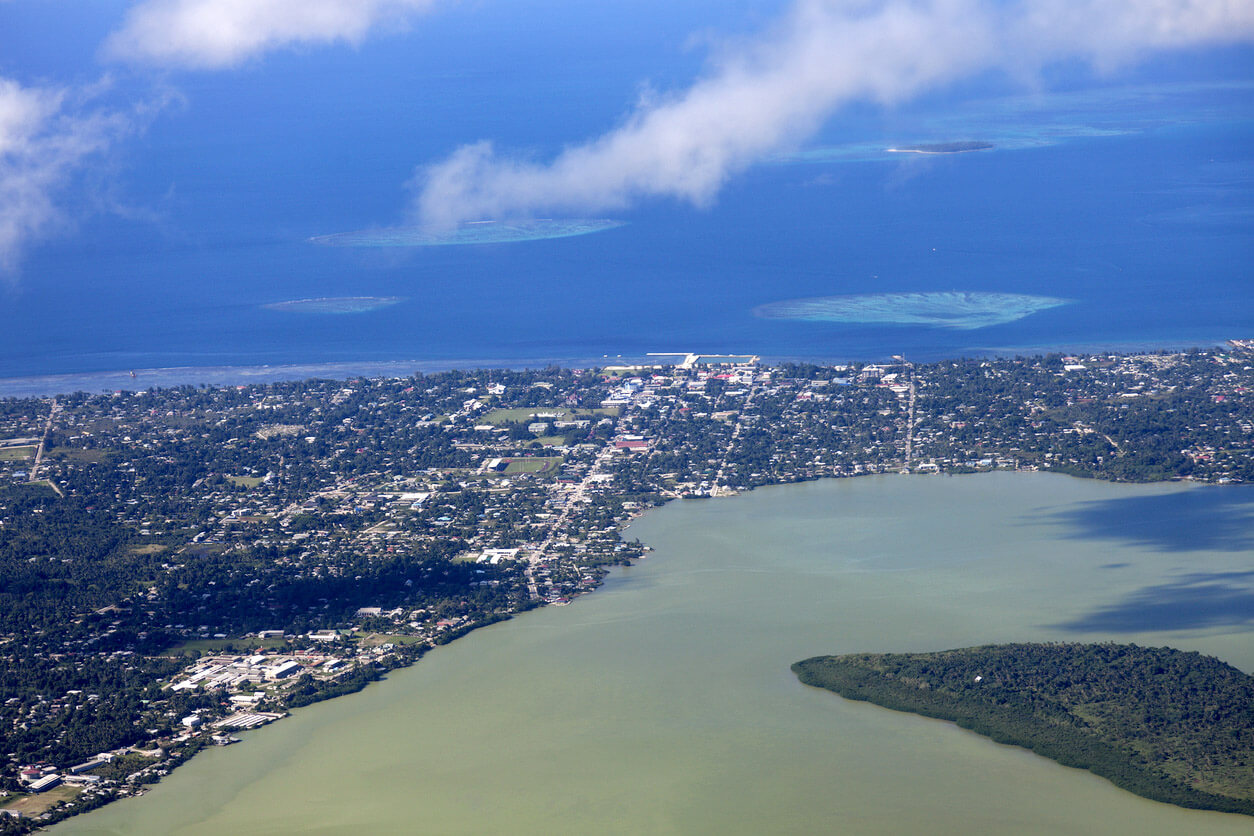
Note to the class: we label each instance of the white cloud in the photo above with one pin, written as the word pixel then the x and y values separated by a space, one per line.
pixel 772 93
pixel 212 34
pixel 46 136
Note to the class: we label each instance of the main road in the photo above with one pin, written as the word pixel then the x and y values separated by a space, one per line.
pixel 43 444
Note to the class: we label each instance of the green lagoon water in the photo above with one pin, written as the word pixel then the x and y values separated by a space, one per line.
pixel 663 703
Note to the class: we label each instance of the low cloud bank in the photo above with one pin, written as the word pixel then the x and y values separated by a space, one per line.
pixel 215 34
pixel 770 94
pixel 46 136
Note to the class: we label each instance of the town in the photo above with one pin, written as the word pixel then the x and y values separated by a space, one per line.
pixel 183 564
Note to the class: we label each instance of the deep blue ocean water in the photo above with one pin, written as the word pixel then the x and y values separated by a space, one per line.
pixel 1131 195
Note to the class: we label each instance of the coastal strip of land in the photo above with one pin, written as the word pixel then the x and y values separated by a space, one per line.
pixel 1164 724
pixel 193 558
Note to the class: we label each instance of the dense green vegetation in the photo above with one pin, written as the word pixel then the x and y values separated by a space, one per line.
pixel 1162 723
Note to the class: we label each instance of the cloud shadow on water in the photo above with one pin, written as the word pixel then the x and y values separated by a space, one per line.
pixel 1205 519
pixel 1194 601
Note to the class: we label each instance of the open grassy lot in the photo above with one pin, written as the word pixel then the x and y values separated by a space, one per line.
pixel 554 413
pixel 538 464
pixel 16 454
pixel 218 645
pixel 244 481
pixel 525 413
pixel 33 805
pixel 376 639
pixel 75 454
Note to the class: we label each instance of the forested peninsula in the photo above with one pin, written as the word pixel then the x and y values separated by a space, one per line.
pixel 1165 724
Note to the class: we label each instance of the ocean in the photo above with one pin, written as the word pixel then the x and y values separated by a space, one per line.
pixel 1128 198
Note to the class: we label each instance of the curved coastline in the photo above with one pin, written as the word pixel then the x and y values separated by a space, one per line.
pixel 1097 707
pixel 776 386
pixel 452 672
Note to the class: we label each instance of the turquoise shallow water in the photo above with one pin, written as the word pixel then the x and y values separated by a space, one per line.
pixel 663 702
pixel 964 311
pixel 475 232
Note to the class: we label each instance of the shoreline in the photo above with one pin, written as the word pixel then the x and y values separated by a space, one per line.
pixel 656 495
pixel 164 377
pixel 607 575
pixel 141 379
pixel 1020 701
pixel 610 573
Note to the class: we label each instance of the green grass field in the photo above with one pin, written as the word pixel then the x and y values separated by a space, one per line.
pixel 244 481
pixel 217 645
pixel 78 455
pixel 528 414
pixel 33 805
pixel 537 464
pixel 525 413
pixel 16 454
pixel 376 639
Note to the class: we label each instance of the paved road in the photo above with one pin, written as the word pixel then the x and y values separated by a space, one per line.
pixel 43 443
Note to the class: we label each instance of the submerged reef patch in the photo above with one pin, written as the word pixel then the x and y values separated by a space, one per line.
pixel 474 232
pixel 1037 120
pixel 953 309
pixel 942 147
pixel 335 304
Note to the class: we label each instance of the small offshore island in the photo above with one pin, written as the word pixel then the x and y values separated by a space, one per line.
pixel 468 233
pixel 184 563
pixel 942 148
pixel 1167 725
pixel 335 304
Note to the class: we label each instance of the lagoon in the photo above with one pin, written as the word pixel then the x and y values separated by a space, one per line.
pixel 663 703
